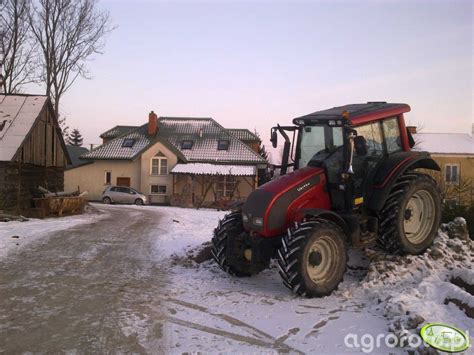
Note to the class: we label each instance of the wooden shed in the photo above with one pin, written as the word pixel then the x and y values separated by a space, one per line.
pixel 32 151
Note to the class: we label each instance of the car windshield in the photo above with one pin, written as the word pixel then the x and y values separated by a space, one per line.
pixel 317 142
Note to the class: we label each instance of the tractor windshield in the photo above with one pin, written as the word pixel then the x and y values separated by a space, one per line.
pixel 317 142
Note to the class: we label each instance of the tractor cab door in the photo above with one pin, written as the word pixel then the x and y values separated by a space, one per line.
pixel 365 165
pixel 382 138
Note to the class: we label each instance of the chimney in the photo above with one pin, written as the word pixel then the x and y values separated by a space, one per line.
pixel 411 129
pixel 152 123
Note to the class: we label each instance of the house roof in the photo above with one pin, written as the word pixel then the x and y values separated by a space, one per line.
pixel 74 153
pixel 18 113
pixel 445 143
pixel 204 132
pixel 117 131
pixel 244 134
pixel 214 169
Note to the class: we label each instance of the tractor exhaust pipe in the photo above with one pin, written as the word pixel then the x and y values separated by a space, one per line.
pixel 350 170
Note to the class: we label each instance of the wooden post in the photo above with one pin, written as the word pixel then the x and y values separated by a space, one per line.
pixel 18 195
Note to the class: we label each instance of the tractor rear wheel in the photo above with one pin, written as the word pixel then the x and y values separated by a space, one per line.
pixel 312 259
pixel 411 215
pixel 230 227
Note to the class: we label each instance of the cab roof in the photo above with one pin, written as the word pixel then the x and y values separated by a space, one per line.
pixel 358 113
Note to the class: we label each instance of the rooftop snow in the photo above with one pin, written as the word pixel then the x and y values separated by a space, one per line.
pixel 18 113
pixel 212 169
pixel 117 131
pixel 444 143
pixel 244 134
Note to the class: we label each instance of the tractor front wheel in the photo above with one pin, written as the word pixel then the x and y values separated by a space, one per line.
pixel 312 259
pixel 411 215
pixel 227 230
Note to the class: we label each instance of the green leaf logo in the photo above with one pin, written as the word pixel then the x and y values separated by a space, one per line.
pixel 444 337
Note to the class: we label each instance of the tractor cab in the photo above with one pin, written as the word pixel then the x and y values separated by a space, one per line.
pixel 348 178
pixel 349 142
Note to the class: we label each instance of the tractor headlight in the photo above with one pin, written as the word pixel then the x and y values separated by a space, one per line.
pixel 258 221
pixel 245 218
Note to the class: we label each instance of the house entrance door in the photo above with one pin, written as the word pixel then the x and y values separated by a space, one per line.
pixel 123 181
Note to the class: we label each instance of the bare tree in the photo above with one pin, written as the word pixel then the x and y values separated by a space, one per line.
pixel 68 32
pixel 18 55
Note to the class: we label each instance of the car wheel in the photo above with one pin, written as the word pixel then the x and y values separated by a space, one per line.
pixel 139 202
pixel 107 200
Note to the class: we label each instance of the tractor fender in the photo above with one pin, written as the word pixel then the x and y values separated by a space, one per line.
pixel 388 172
pixel 325 214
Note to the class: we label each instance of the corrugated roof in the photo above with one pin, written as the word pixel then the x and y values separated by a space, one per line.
pixel 213 169
pixel 117 131
pixel 444 143
pixel 18 113
pixel 204 132
pixel 244 134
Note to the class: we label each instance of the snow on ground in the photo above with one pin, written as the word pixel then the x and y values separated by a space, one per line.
pixel 209 311
pixel 15 235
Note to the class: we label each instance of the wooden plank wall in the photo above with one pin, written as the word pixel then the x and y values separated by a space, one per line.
pixel 19 184
pixel 43 146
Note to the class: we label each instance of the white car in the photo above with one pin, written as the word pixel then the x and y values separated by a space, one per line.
pixel 123 194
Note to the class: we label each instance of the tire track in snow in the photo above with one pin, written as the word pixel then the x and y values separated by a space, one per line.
pixel 258 338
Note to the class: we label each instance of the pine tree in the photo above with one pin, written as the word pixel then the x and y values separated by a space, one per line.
pixel 261 148
pixel 75 138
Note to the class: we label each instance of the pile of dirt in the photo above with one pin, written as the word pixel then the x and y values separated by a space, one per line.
pixel 436 286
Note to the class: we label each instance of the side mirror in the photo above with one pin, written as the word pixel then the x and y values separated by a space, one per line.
pixel 274 139
pixel 360 146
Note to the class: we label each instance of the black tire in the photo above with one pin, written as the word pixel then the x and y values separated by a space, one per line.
pixel 229 227
pixel 107 200
pixel 299 272
pixel 139 202
pixel 399 218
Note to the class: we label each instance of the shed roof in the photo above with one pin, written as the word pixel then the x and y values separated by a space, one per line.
pixel 214 169
pixel 445 143
pixel 172 131
pixel 74 153
pixel 18 113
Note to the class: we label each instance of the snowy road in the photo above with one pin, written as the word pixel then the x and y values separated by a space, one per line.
pixel 86 288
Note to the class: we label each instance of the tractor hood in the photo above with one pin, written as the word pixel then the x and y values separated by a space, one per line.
pixel 268 209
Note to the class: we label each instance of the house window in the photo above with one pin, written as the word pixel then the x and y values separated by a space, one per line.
pixel 128 143
pixel 159 164
pixel 108 178
pixel 158 189
pixel 451 202
pixel 222 144
pixel 451 174
pixel 187 144
pixel 225 186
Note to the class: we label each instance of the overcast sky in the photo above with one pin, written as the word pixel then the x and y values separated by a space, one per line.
pixel 252 64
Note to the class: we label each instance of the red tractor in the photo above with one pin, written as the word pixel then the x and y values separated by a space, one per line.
pixel 354 182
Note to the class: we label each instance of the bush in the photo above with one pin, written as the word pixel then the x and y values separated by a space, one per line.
pixel 467 212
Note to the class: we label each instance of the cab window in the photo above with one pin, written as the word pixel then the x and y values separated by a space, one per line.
pixel 391 131
pixel 373 136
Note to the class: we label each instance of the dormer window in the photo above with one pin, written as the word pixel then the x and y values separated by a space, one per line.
pixel 222 144
pixel 187 144
pixel 128 143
